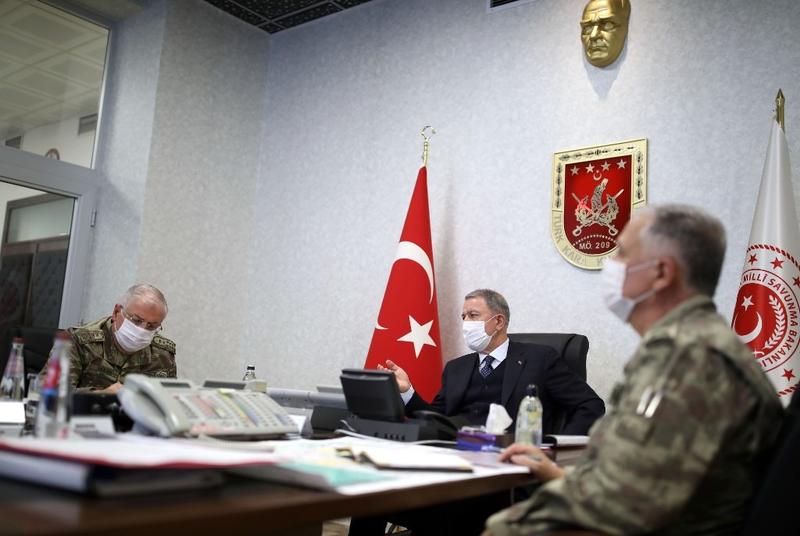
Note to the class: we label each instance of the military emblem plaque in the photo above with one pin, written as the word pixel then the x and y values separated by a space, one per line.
pixel 595 191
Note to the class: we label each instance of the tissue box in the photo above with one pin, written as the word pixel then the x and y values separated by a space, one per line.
pixel 478 439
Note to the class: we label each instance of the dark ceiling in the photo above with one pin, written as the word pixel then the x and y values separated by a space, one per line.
pixel 276 15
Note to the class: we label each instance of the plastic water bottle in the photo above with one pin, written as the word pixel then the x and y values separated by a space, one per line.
pixel 12 386
pixel 52 412
pixel 529 419
pixel 250 373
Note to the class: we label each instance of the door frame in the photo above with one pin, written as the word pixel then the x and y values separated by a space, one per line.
pixel 80 183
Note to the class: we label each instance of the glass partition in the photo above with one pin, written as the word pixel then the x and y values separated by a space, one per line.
pixel 51 75
pixel 36 231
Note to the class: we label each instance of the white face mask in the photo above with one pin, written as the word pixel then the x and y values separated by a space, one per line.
pixel 475 335
pixel 613 280
pixel 131 337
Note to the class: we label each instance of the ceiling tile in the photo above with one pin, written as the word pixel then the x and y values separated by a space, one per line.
pixel 46 27
pixel 86 103
pixel 34 80
pixel 237 11
pixel 74 69
pixel 309 15
pixel 21 49
pixel 350 3
pixel 93 51
pixel 8 5
pixel 274 9
pixel 7 67
pixel 271 27
pixel 23 99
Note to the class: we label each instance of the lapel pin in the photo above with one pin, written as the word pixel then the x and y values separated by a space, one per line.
pixel 519 362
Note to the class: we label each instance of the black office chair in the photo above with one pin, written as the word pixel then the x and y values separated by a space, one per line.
pixel 776 496
pixel 571 347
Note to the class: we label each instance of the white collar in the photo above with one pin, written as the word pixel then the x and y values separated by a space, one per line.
pixel 499 354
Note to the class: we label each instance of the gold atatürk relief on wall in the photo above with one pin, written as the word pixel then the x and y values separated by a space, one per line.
pixel 604 27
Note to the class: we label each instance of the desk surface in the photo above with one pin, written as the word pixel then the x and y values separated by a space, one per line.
pixel 241 503
pixel 242 506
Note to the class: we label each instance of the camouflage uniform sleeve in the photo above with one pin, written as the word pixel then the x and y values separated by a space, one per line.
pixel 75 364
pixel 639 472
pixel 163 355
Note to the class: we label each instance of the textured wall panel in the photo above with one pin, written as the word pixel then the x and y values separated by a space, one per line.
pixel 122 158
pixel 346 98
pixel 197 229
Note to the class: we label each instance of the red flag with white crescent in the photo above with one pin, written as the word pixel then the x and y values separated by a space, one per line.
pixel 407 331
pixel 766 313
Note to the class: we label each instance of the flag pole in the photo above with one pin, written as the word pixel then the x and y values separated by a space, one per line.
pixel 426 144
pixel 780 102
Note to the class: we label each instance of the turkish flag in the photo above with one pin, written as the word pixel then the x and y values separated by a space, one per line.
pixel 407 331
pixel 766 313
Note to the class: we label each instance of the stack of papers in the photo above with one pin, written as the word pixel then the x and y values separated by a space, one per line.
pixel 409 458
pixel 567 440
pixel 116 467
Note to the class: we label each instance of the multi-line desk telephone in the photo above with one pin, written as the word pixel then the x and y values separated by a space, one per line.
pixel 169 407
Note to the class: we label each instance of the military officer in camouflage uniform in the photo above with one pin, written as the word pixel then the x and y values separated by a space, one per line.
pixel 681 449
pixel 105 351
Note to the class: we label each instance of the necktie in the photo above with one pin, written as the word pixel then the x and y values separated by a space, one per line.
pixel 486 366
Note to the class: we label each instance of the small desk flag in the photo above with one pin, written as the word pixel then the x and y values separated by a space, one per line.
pixel 766 312
pixel 407 331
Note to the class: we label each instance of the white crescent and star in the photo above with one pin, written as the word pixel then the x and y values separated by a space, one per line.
pixel 747 338
pixel 412 252
pixel 419 336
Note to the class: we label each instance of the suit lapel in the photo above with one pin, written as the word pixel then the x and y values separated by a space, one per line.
pixel 515 363
pixel 460 380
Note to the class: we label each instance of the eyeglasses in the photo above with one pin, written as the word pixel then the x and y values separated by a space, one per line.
pixel 140 322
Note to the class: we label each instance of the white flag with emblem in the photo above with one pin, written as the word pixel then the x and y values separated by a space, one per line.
pixel 766 311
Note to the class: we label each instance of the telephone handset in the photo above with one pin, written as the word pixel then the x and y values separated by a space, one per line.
pixel 169 407
pixel 442 426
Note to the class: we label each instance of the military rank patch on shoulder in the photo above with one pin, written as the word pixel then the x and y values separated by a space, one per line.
pixel 164 344
pixel 86 337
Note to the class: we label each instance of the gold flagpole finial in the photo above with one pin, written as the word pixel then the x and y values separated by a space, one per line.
pixel 426 144
pixel 780 102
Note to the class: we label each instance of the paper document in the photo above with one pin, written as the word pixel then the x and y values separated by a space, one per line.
pixel 567 440
pixel 137 452
pixel 408 457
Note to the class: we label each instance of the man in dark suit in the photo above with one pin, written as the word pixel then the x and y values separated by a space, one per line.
pixel 499 370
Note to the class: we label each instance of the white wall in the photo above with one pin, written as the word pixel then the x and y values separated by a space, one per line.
pixel 122 159
pixel 262 181
pixel 347 96
pixel 179 152
pixel 72 147
pixel 12 192
pixel 197 226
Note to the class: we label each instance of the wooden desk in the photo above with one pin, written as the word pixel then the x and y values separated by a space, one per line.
pixel 240 507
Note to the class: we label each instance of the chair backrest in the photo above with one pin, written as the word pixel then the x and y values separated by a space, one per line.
pixel 573 347
pixel 776 496
pixel 38 342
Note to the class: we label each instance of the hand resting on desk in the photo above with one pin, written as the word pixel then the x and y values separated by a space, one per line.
pixel 534 459
pixel 111 389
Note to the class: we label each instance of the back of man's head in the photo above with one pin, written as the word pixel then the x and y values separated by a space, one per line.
pixel 693 236
pixel 144 293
